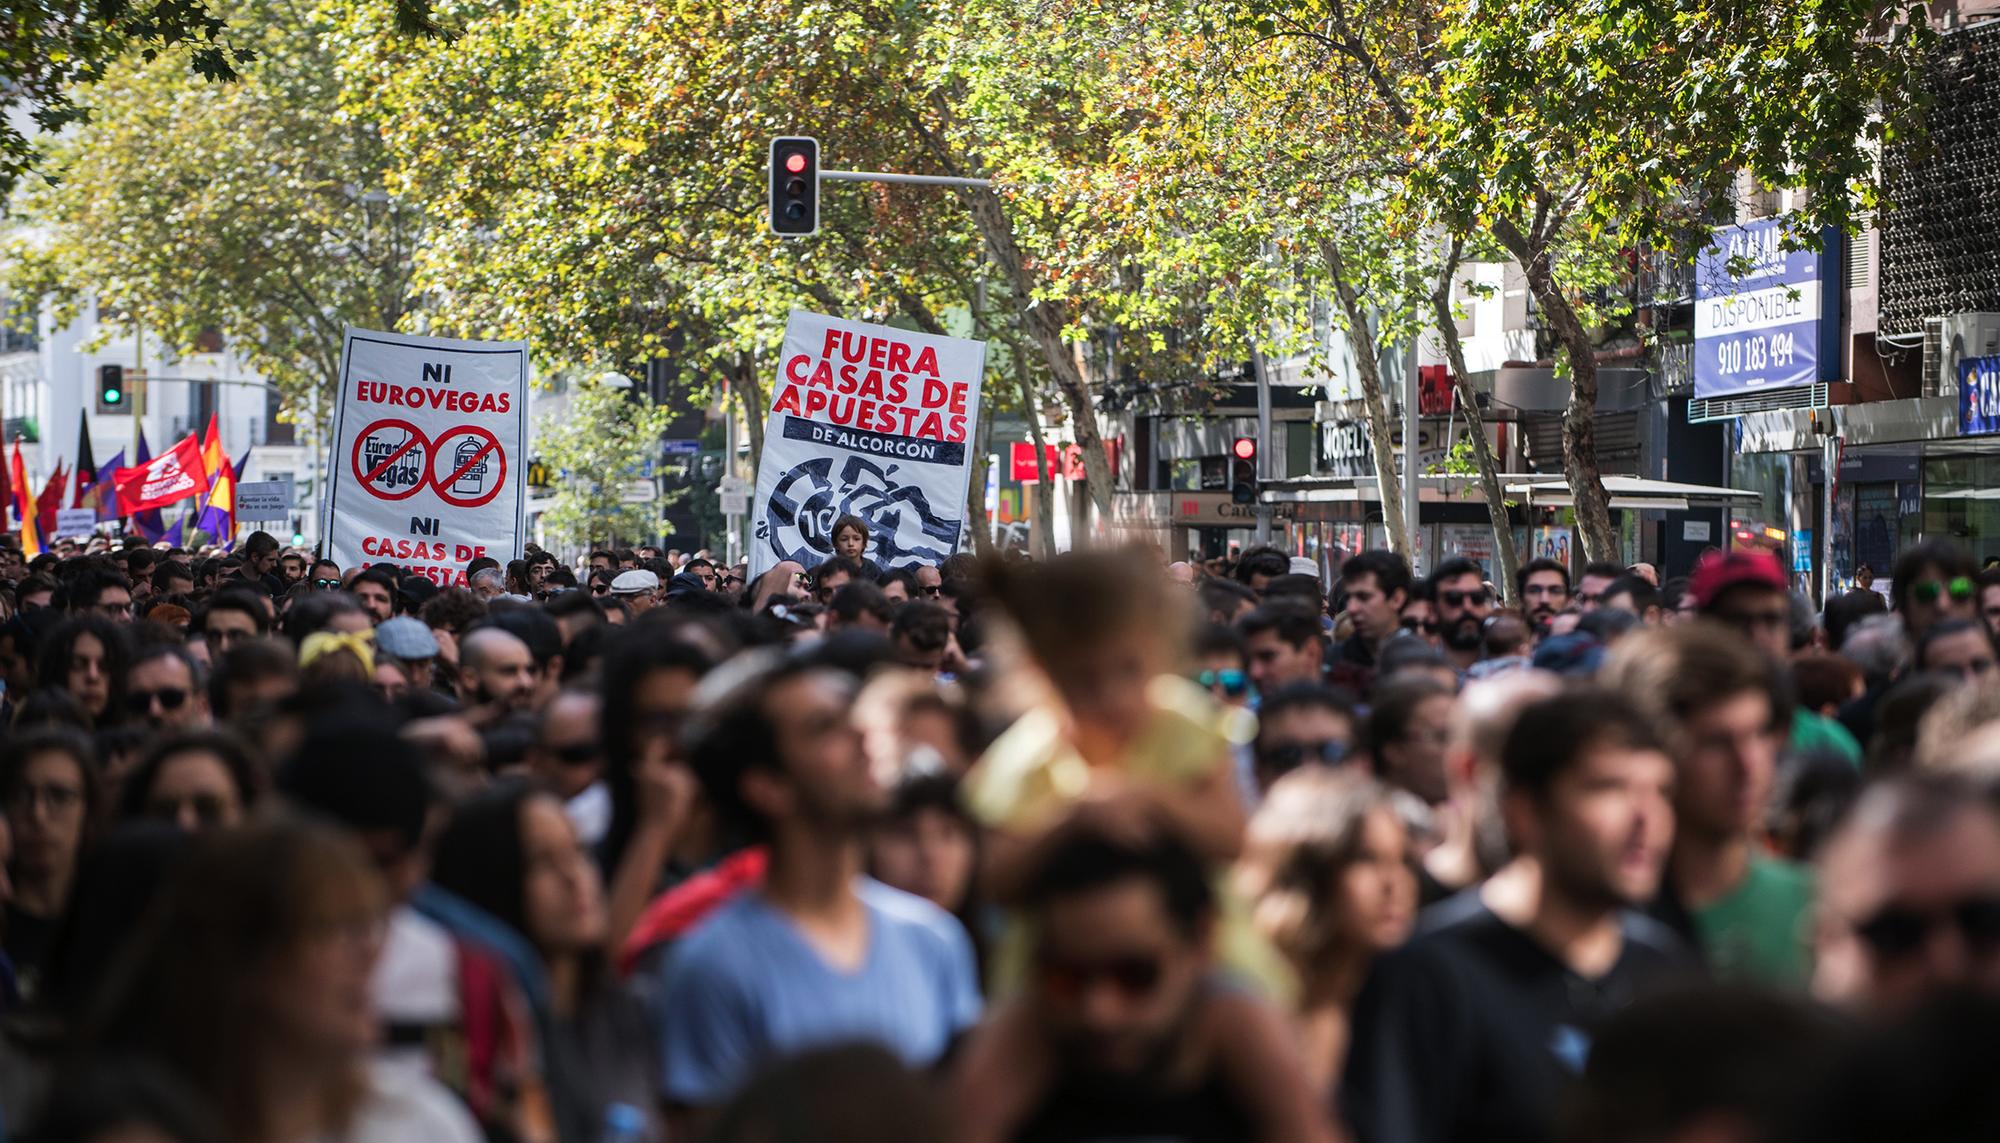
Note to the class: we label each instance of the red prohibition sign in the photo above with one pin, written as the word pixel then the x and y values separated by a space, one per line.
pixel 461 463
pixel 369 474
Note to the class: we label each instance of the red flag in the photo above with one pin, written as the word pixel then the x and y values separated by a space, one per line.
pixel 168 478
pixel 51 500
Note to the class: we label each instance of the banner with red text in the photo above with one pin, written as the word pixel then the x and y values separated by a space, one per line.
pixel 870 421
pixel 430 444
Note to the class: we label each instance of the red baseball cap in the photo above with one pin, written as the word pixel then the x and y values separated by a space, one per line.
pixel 1719 571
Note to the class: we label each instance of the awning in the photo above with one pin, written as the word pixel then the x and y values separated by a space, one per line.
pixel 1432 488
pixel 1631 492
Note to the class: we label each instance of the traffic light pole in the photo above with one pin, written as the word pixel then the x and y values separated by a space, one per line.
pixel 911 180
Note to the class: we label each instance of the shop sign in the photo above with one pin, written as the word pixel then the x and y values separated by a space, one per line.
pixel 1979 396
pixel 1759 329
pixel 1208 510
pixel 1346 451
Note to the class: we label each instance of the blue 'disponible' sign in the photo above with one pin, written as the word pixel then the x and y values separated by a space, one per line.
pixel 1979 396
pixel 1758 329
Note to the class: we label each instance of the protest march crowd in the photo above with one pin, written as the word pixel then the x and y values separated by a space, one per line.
pixel 1091 848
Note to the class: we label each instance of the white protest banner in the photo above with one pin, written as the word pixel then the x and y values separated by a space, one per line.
pixel 870 421
pixel 74 522
pixel 430 445
pixel 264 500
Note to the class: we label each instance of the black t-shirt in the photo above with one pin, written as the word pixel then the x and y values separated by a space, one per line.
pixel 27 944
pixel 1471 1030
pixel 1101 1112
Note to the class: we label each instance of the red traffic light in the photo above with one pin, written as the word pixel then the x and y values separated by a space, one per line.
pixel 1245 448
pixel 796 162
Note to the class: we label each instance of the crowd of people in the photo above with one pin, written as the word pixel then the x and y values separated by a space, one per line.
pixel 1095 848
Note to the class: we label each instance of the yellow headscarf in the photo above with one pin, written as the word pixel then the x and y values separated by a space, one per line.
pixel 361 644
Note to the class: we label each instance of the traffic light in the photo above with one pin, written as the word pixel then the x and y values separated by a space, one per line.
pixel 1243 470
pixel 794 185
pixel 111 389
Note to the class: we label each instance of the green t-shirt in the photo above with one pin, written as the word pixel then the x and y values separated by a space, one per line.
pixel 1758 933
pixel 1815 732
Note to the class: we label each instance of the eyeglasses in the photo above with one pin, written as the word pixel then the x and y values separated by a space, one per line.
pixel 1927 592
pixel 141 702
pixel 1235 684
pixel 732 581
pixel 326 584
pixel 1545 590
pixel 1289 756
pixel 1137 976
pixel 208 809
pixel 1899 931
pixel 55 799
pixel 1478 598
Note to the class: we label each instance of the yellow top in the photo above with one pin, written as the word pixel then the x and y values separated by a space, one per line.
pixel 1033 772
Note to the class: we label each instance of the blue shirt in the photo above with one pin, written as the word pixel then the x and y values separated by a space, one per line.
pixel 745 987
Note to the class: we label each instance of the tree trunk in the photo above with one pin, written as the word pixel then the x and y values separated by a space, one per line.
pixel 1044 322
pixel 1506 559
pixel 1367 367
pixel 1586 483
pixel 745 384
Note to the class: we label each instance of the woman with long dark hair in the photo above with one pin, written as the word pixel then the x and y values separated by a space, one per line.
pixel 87 657
pixel 512 851
pixel 251 987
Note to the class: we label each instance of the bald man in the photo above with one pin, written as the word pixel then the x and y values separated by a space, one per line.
pixel 1471 842
pixel 497 672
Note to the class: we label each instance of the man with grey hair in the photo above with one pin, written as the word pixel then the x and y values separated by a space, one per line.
pixel 489 584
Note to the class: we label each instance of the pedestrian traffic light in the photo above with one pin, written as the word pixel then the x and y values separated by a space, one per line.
pixel 111 389
pixel 794 180
pixel 1243 470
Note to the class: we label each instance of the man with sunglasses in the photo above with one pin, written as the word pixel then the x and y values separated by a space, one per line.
pixel 1933 581
pixel 1910 896
pixel 1462 605
pixel 1124 1032
pixel 164 689
pixel 1304 724
pixel 568 757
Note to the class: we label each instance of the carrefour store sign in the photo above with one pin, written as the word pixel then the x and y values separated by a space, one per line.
pixel 1761 311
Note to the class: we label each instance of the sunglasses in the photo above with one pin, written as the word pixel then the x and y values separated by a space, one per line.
pixel 1235 684
pixel 1960 589
pixel 1899 931
pixel 1426 626
pixel 933 591
pixel 326 584
pixel 732 581
pixel 599 589
pixel 1137 977
pixel 578 753
pixel 141 702
pixel 1292 755
pixel 1479 598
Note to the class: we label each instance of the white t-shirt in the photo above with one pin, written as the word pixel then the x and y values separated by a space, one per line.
pixel 405 1107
